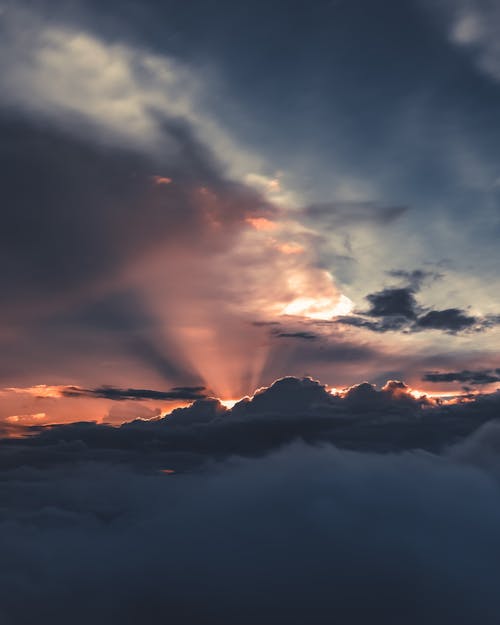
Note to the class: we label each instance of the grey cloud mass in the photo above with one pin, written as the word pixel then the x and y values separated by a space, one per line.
pixel 142 543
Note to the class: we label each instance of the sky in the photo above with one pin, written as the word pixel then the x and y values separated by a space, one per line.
pixel 250 317
pixel 221 195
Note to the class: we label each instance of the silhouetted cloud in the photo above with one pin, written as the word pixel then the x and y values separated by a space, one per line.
pixel 450 320
pixel 396 308
pixel 390 323
pixel 392 302
pixel 363 418
pixel 120 394
pixel 308 336
pixel 484 376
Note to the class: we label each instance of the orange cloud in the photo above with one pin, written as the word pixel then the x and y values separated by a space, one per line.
pixel 290 248
pixel 161 180
pixel 39 390
pixel 27 419
pixel 262 224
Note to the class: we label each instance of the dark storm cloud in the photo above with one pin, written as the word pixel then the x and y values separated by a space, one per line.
pixel 484 376
pixel 121 394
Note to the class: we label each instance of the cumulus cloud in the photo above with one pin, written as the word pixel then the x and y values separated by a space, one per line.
pixel 396 308
pixel 361 417
pixel 415 278
pixel 155 517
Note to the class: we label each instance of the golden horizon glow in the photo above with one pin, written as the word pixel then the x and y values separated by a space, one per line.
pixel 39 390
pixel 26 418
pixel 229 403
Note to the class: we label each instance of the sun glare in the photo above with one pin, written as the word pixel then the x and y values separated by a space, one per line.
pixel 321 308
pixel 229 403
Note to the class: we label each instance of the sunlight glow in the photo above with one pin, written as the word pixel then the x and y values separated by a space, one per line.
pixel 40 390
pixel 27 419
pixel 319 308
pixel 290 248
pixel 261 223
pixel 229 403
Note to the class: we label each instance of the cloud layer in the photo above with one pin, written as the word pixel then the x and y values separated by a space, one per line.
pixel 307 533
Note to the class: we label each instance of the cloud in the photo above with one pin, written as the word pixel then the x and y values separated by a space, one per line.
pixel 55 68
pixel 126 543
pixel 451 320
pixel 308 336
pixel 362 417
pixel 107 202
pixel 392 302
pixel 397 309
pixel 123 411
pixel 200 411
pixel 391 323
pixel 120 394
pixel 339 214
pixel 157 513
pixel 124 159
pixel 485 376
pixel 474 26
pixel 416 278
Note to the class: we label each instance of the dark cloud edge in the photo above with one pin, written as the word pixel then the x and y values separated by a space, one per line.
pixel 291 409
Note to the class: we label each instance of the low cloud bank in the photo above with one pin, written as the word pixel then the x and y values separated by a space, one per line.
pixel 305 534
pixel 292 409
pixel 248 515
